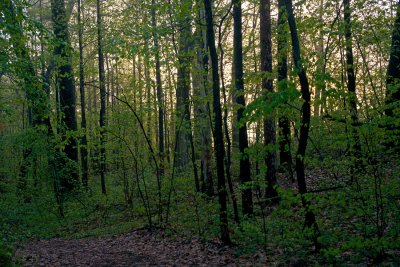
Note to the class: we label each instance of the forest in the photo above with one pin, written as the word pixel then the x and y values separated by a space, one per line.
pixel 199 133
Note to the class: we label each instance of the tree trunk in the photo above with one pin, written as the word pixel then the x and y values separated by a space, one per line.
pixel 201 106
pixel 160 97
pixel 244 175
pixel 267 86
pixel 285 153
pixel 65 85
pixel 184 133
pixel 320 79
pixel 84 159
pixel 102 84
pixel 218 138
pixel 351 85
pixel 183 86
pixel 228 159
pixel 310 220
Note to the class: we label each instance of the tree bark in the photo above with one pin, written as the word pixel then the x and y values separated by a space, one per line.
pixel 310 220
pixel 218 137
pixel 83 148
pixel 320 79
pixel 201 106
pixel 160 97
pixel 183 85
pixel 351 85
pixel 65 85
pixel 228 151
pixel 184 133
pixel 102 84
pixel 285 154
pixel 267 86
pixel 244 174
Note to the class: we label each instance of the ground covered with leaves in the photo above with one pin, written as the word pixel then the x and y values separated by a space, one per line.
pixel 137 248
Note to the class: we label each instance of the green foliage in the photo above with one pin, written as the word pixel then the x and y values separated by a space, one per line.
pixel 267 104
pixel 356 206
pixel 6 254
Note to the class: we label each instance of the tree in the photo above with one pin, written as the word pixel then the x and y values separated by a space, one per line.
pixel 102 84
pixel 35 93
pixel 285 154
pixel 184 135
pixel 202 104
pixel 310 220
pixel 267 86
pixel 183 131
pixel 160 97
pixel 218 137
pixel 245 175
pixel 65 85
pixel 34 90
pixel 83 148
pixel 351 84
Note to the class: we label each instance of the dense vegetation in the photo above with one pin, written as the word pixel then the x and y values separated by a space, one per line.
pixel 270 125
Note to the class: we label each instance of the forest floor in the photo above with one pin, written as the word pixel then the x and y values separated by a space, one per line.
pixel 141 248
pixel 137 248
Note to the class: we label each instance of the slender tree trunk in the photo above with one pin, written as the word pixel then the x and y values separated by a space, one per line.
pixel 285 153
pixel 228 159
pixel 245 174
pixel 310 220
pixel 267 86
pixel 102 82
pixel 84 159
pixel 351 85
pixel 148 81
pixel 160 97
pixel 351 78
pixel 183 85
pixel 320 79
pixel 218 138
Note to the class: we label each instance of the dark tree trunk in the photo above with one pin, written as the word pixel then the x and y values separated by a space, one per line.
pixel 160 97
pixel 393 70
pixel 183 86
pixel 285 153
pixel 84 158
pixel 228 159
pixel 102 81
pixel 65 85
pixel 351 78
pixel 267 86
pixel 244 175
pixel 351 85
pixel 202 106
pixel 310 220
pixel 148 81
pixel 218 137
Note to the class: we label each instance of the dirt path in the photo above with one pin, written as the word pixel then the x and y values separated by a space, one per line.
pixel 139 248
